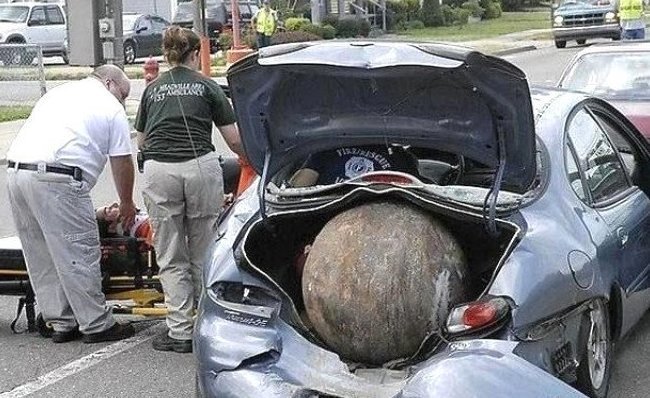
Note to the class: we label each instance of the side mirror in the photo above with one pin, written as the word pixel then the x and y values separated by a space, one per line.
pixel 142 29
pixel 35 22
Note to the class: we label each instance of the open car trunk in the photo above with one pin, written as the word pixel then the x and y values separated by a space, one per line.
pixel 275 246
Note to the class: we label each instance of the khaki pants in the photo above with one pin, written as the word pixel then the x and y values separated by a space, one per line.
pixel 56 224
pixel 183 201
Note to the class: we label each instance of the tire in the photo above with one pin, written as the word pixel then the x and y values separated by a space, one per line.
pixel 594 351
pixel 581 42
pixel 129 52
pixel 560 43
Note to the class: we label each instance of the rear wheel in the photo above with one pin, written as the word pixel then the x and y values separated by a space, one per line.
pixel 129 52
pixel 560 43
pixel 581 42
pixel 595 352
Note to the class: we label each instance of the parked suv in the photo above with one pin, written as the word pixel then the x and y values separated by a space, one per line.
pixel 31 23
pixel 218 15
pixel 580 20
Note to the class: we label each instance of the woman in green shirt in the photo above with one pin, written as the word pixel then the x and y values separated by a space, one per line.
pixel 183 188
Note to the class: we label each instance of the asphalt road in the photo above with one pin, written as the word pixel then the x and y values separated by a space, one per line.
pixel 134 369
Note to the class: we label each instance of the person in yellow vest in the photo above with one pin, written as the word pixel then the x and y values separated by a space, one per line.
pixel 265 22
pixel 630 13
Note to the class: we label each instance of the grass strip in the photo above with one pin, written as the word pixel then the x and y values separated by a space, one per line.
pixel 14 112
pixel 510 22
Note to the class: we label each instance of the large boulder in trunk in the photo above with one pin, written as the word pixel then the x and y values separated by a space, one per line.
pixel 379 279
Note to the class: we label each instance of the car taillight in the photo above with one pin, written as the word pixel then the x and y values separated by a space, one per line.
pixel 477 315
pixel 388 178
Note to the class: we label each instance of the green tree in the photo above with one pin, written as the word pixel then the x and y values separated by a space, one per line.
pixel 430 13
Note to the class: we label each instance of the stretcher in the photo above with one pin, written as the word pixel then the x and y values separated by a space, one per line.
pixel 129 271
pixel 129 274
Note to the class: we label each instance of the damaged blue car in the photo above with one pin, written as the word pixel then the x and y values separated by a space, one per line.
pixel 424 225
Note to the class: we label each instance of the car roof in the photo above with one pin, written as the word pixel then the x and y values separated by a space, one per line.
pixel 30 4
pixel 622 46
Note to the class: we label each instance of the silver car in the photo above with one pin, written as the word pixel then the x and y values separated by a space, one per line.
pixel 544 190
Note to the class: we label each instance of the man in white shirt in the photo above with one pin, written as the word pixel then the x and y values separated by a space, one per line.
pixel 53 163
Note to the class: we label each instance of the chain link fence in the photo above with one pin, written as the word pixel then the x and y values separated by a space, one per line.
pixel 22 76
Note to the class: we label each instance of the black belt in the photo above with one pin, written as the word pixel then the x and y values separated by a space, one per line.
pixel 74 172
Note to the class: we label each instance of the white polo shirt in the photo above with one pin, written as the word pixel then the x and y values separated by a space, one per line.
pixel 75 124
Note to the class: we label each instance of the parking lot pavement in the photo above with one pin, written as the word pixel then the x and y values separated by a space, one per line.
pixel 34 366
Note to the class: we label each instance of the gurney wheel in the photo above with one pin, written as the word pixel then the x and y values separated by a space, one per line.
pixel 44 329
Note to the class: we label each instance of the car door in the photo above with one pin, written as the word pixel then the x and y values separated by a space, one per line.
pixel 37 27
pixel 612 193
pixel 55 27
pixel 159 26
pixel 144 37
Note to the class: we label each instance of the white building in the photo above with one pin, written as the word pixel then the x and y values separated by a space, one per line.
pixel 163 8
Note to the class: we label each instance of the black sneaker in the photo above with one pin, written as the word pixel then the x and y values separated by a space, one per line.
pixel 64 337
pixel 116 332
pixel 166 343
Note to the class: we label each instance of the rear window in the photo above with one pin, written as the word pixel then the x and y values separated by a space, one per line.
pixel 620 75
pixel 13 14
pixel 54 15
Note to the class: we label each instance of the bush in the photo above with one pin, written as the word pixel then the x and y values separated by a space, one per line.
pixel 452 4
pixel 329 32
pixel 415 24
pixel 430 13
pixel 225 41
pixel 461 16
pixel 312 28
pixel 400 26
pixel 293 37
pixel 492 10
pixel 331 20
pixel 347 27
pixel 474 8
pixel 401 11
pixel 352 27
pixel 249 37
pixel 512 5
pixel 294 24
pixel 364 27
pixel 303 10
pixel 448 14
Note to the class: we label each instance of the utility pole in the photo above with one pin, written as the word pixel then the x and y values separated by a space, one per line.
pixel 110 32
pixel 199 26
pixel 238 51
pixel 236 40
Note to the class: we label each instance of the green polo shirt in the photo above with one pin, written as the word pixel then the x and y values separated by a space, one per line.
pixel 179 105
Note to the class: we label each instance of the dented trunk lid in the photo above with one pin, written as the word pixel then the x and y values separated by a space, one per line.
pixel 294 100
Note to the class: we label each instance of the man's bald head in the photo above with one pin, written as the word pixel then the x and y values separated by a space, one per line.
pixel 115 81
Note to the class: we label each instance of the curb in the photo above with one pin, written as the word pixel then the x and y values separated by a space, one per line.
pixel 3 161
pixel 515 50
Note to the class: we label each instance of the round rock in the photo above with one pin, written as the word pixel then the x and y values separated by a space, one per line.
pixel 379 278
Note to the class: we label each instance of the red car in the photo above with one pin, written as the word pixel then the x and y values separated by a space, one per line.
pixel 618 72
